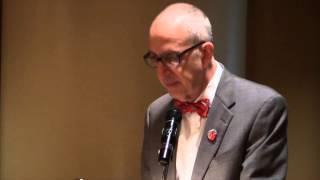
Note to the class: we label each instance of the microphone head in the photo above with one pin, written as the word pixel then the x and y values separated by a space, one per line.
pixel 169 136
pixel 174 113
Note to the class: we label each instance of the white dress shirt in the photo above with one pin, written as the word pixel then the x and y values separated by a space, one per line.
pixel 191 130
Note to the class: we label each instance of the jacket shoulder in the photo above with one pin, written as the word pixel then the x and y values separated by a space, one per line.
pixel 157 109
pixel 247 89
pixel 161 101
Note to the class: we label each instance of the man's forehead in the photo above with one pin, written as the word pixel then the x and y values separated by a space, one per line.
pixel 167 35
pixel 171 18
pixel 169 30
pixel 160 45
pixel 164 39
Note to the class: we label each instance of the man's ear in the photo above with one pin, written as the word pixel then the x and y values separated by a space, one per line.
pixel 207 53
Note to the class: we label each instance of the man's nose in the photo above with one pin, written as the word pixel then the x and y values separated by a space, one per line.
pixel 163 68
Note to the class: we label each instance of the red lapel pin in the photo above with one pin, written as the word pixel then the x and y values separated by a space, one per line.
pixel 212 134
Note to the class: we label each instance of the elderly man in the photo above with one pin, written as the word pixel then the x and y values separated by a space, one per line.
pixel 241 132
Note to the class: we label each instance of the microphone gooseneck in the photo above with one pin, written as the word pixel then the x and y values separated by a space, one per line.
pixel 169 136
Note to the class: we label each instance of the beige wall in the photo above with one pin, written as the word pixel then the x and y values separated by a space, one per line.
pixel 283 52
pixel 74 87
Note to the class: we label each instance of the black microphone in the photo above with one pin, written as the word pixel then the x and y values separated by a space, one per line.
pixel 169 136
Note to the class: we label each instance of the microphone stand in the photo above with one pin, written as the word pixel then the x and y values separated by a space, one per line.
pixel 165 172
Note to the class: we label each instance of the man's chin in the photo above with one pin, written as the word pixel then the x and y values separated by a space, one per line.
pixel 177 95
pixel 176 92
pixel 181 96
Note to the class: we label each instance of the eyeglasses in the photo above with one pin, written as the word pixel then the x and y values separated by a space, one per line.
pixel 171 59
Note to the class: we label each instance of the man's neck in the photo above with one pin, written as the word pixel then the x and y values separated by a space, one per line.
pixel 208 76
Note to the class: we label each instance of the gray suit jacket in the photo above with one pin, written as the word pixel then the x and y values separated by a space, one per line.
pixel 251 124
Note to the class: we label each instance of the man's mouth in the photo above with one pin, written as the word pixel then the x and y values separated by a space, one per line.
pixel 170 82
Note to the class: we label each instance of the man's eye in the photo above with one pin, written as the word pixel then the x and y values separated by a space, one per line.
pixel 171 58
pixel 153 56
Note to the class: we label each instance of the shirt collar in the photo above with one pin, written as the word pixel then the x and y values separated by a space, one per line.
pixel 212 86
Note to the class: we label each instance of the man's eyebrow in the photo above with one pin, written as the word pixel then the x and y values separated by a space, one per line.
pixel 164 53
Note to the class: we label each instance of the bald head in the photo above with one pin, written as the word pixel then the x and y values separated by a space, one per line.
pixel 180 35
pixel 182 19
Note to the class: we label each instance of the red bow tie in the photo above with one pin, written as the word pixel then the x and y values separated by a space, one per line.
pixel 201 107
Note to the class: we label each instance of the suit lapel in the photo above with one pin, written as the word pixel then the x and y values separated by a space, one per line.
pixel 219 118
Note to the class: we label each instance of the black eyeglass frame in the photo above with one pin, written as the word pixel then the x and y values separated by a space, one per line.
pixel 168 58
